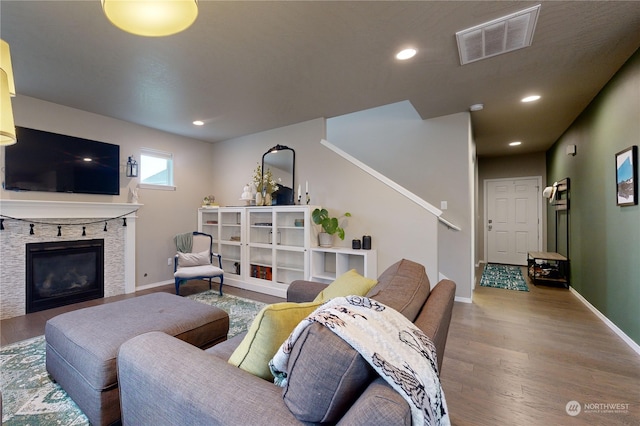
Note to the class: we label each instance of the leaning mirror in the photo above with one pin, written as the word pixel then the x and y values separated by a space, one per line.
pixel 280 161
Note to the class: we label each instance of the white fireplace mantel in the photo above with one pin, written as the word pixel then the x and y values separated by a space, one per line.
pixel 36 209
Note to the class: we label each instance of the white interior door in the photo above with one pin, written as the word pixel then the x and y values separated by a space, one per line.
pixel 513 219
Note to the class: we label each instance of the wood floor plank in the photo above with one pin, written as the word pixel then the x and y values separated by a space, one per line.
pixel 530 354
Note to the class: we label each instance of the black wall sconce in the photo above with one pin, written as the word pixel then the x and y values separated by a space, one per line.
pixel 132 167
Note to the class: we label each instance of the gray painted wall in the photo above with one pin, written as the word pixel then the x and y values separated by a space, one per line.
pixel 433 158
pixel 165 213
pixel 604 238
pixel 336 184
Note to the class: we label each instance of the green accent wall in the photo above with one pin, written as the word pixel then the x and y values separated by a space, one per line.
pixel 604 241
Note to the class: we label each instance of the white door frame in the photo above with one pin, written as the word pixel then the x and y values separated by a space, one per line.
pixel 484 224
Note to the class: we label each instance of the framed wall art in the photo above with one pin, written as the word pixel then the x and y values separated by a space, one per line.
pixel 627 177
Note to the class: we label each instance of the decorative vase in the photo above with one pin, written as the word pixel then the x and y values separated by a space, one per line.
pixel 325 240
pixel 267 199
pixel 259 200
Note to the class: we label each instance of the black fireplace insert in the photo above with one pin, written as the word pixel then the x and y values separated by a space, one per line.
pixel 60 273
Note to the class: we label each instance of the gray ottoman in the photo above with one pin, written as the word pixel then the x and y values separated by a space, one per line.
pixel 82 345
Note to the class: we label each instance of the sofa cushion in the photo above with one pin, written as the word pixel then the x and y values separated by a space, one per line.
pixel 347 284
pixel 325 376
pixel 269 330
pixel 193 259
pixel 403 286
pixel 379 405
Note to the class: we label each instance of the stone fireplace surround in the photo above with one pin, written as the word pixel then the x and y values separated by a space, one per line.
pixel 119 252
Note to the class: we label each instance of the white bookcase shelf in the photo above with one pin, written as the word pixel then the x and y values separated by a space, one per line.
pixel 263 249
pixel 326 264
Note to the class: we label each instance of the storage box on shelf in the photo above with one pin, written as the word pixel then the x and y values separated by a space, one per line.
pixel 263 248
pixel 329 263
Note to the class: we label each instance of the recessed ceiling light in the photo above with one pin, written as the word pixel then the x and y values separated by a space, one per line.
pixel 198 123
pixel 516 143
pixel 476 107
pixel 531 98
pixel 405 54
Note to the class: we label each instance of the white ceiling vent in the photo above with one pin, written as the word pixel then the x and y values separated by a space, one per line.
pixel 499 36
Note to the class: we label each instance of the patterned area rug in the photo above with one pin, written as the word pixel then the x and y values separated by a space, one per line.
pixel 29 397
pixel 503 276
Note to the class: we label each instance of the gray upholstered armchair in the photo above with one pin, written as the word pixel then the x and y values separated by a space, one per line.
pixel 197 263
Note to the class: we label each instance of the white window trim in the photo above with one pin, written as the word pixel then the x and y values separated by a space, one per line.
pixel 159 154
pixel 158 187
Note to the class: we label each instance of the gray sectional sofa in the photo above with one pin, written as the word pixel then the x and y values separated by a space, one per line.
pixel 165 381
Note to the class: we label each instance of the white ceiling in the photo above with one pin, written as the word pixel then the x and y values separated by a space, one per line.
pixel 246 67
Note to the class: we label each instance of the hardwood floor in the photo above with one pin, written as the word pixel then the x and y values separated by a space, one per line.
pixel 512 358
pixel 518 358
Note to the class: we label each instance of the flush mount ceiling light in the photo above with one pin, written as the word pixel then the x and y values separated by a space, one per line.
pixel 476 107
pixel 516 143
pixel 151 18
pixel 531 98
pixel 501 35
pixel 405 54
pixel 198 123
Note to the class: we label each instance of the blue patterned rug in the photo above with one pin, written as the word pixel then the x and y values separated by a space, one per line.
pixel 503 276
pixel 29 397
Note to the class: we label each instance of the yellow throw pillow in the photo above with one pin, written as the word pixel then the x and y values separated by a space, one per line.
pixel 347 284
pixel 271 327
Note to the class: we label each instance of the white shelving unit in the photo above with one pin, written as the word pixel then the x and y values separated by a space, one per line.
pixel 263 249
pixel 329 263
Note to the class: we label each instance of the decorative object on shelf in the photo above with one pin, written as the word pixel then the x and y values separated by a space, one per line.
pixel 7 91
pixel 355 244
pixel 366 242
pixel 627 177
pixel 209 200
pixel 151 18
pixel 265 184
pixel 308 198
pixel 267 199
pixel 280 162
pixel 132 167
pixel 247 194
pixel 298 222
pixel 133 195
pixel 330 226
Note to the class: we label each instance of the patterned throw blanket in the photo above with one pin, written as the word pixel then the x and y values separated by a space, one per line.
pixel 399 351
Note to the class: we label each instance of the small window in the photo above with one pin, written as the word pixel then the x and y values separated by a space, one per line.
pixel 156 169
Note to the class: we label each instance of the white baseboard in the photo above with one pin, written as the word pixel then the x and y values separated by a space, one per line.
pixel 633 345
pixel 154 285
pixel 463 299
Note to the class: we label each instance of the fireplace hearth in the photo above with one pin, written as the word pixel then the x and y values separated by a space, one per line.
pixel 60 273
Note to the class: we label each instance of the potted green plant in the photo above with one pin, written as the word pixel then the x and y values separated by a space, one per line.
pixel 330 226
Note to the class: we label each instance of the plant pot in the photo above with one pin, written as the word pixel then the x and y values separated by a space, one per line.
pixel 325 240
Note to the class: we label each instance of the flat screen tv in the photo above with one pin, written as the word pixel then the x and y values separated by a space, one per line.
pixel 49 162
